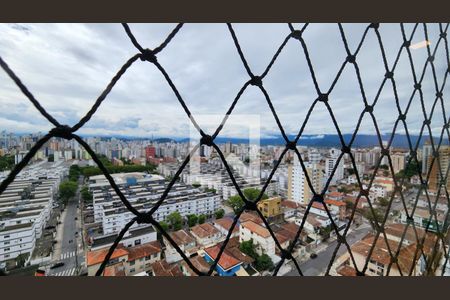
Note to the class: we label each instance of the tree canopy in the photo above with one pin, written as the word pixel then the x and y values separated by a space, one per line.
pixel 175 220
pixel 219 213
pixel 67 190
pixel 251 194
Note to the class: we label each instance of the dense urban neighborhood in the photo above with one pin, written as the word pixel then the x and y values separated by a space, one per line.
pixel 340 213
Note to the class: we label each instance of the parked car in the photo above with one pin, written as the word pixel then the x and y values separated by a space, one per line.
pixel 313 255
pixel 57 265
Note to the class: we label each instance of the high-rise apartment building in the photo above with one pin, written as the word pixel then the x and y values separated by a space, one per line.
pixel 438 171
pixel 298 188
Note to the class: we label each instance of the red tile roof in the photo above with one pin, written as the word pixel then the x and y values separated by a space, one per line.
pixel 290 204
pixel 162 268
pixel 318 205
pixel 115 270
pixel 97 256
pixel 226 223
pixel 198 262
pixel 250 217
pixel 346 271
pixel 256 228
pixel 181 237
pixel 335 194
pixel 335 202
pixel 226 261
pixel 204 230
pixel 144 250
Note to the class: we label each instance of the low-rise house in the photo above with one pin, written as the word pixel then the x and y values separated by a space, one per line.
pixel 95 258
pixel 410 260
pixel 335 195
pixel 227 264
pixel 337 207
pixel 185 241
pixel 422 218
pixel 224 226
pixel 270 208
pixel 163 268
pixel 140 258
pixel 199 262
pixel 289 209
pixel 233 249
pixel 261 237
pixel 206 234
pixel 249 216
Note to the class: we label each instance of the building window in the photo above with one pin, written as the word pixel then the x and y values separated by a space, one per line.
pixel 132 270
pixel 132 263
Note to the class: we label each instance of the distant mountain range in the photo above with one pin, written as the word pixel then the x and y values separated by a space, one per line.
pixel 323 140
pixel 331 140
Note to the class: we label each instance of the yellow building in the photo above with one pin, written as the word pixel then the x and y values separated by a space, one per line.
pixel 270 207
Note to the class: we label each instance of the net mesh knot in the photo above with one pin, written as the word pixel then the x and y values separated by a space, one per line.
pixel 291 145
pixel 144 218
pixel 256 81
pixel 296 34
pixel 207 140
pixel 148 55
pixel 62 131
pixel 250 205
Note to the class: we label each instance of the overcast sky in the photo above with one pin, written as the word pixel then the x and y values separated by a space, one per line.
pixel 67 66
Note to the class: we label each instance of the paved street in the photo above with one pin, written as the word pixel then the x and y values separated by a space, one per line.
pixel 69 249
pixel 318 266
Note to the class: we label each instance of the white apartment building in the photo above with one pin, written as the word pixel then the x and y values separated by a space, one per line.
pixel 143 191
pixel 298 188
pixel 331 162
pixel 263 241
pixel 25 208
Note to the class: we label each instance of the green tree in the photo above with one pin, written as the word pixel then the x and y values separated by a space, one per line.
pixel 196 185
pixel 67 190
pixel 349 205
pixel 248 248
pixel 201 219
pixel 164 225
pixel 219 213
pixel 6 162
pixel 74 172
pixel 413 168
pixel 208 190
pixel 383 201
pixel 372 217
pixel 192 220
pixel 86 195
pixel 21 260
pixel 264 262
pixel 236 203
pixel 175 220
pixel 251 194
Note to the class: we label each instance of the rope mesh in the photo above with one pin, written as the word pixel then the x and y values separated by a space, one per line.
pixel 323 96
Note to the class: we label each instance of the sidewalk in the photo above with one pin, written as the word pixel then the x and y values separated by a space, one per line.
pixel 59 236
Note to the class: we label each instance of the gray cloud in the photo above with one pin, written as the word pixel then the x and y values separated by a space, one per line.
pixel 67 66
